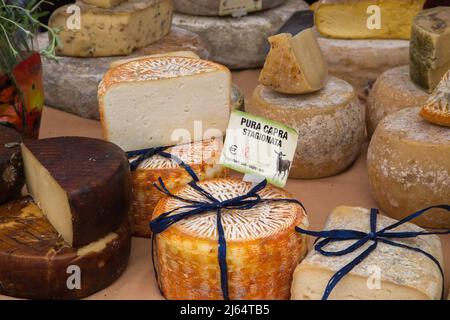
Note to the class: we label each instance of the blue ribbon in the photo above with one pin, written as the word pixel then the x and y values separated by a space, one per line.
pixel 210 203
pixel 384 235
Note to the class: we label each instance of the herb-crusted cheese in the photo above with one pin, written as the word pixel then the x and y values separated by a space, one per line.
pixel 103 32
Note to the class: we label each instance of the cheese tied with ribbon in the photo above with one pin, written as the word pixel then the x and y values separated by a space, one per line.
pixel 437 108
pixel 258 246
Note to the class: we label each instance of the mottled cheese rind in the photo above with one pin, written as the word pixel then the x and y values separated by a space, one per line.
pixel 409 167
pixel 263 248
pixel 430 47
pixel 392 91
pixel 35 262
pixel 352 19
pixel 437 108
pixel 212 7
pixel 104 3
pixel 405 274
pixel 202 157
pixel 132 25
pixel 330 123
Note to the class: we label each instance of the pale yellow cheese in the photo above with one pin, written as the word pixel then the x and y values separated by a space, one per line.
pixel 104 3
pixel 294 65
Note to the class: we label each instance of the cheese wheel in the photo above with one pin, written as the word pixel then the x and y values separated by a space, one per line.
pixel 330 124
pixel 360 62
pixel 392 91
pixel 203 157
pixel 36 263
pixel 404 274
pixel 409 167
pixel 11 167
pixel 240 43
pixel 237 98
pixel 217 8
pixel 81 184
pixel 263 247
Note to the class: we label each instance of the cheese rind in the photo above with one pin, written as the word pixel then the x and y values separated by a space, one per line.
pixel 36 263
pixel 392 92
pixel 437 108
pixel 353 19
pixel 193 94
pixel 202 157
pixel 212 7
pixel 430 47
pixel 104 3
pixel 81 184
pixel 263 247
pixel 119 31
pixel 405 274
pixel 11 167
pixel 409 167
pixel 187 54
pixel 294 65
pixel 330 124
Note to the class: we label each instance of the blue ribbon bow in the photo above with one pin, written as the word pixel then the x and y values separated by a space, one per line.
pixel 194 208
pixel 384 235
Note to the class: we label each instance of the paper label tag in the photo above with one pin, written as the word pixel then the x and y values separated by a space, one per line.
pixel 229 7
pixel 260 147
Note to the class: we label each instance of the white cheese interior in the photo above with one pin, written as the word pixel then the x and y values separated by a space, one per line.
pixel 97 246
pixel 145 114
pixel 48 195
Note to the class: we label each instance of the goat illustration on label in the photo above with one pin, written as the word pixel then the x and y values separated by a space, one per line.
pixel 259 147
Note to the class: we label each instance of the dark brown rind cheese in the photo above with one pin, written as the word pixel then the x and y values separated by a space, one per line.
pixel 34 259
pixel 96 177
pixel 11 167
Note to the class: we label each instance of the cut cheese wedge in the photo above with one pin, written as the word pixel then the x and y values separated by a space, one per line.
pixel 187 54
pixel 294 65
pixel 437 108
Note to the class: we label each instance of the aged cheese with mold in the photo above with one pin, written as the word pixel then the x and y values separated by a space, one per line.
pixel 263 247
pixel 119 31
pixel 330 123
pixel 203 157
pixel 405 274
pixel 35 259
pixel 104 3
pixel 82 185
pixel 355 19
pixel 392 91
pixel 295 64
pixel 409 167
pixel 437 108
pixel 164 101
pixel 213 7
pixel 11 167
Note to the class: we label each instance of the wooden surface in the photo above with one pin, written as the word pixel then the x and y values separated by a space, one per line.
pixel 319 196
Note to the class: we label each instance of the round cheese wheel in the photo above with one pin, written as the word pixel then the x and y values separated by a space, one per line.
pixel 330 124
pixel 71 83
pixel 360 62
pixel 203 157
pixel 11 167
pixel 237 98
pixel 212 7
pixel 263 247
pixel 392 91
pixel 240 43
pixel 409 167
pixel 36 263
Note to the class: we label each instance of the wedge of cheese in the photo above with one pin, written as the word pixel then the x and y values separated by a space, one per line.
pixel 366 19
pixel 104 3
pixel 82 185
pixel 437 108
pixel 164 101
pixel 294 65
pixel 388 273
pixel 99 32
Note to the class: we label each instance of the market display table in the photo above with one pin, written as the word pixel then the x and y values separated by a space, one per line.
pixel 319 196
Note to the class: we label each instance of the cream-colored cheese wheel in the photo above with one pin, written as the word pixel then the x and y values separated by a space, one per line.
pixel 330 124
pixel 392 91
pixel 409 167
pixel 263 247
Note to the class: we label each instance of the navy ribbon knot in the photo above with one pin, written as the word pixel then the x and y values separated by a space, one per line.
pixel 384 235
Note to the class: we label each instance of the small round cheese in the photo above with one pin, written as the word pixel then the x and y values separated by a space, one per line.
pixel 409 167
pixel 392 91
pixel 263 247
pixel 11 167
pixel 330 124
pixel 212 7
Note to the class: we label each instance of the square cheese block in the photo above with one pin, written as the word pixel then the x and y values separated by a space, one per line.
pixel 164 101
pixel 430 47
pixel 388 273
pixel 82 185
pixel 294 65
pixel 357 19
pixel 104 3
pixel 118 31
